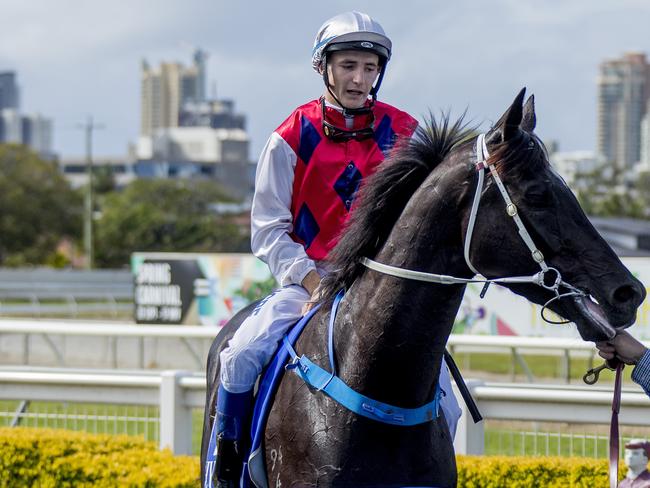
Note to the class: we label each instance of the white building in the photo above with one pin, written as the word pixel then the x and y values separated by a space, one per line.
pixel 11 126
pixel 197 152
pixel 198 144
pixel 575 164
pixel 645 140
pixel 37 134
pixel 76 172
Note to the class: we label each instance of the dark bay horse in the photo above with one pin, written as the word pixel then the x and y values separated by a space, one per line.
pixel 390 332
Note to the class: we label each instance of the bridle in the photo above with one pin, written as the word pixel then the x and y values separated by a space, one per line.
pixel 541 278
pixel 548 277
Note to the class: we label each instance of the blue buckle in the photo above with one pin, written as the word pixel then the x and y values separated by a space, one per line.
pixel 377 412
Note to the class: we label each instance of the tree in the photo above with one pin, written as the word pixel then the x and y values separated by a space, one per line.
pixel 38 209
pixel 165 215
pixel 604 192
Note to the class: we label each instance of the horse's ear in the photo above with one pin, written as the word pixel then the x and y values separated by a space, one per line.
pixel 529 119
pixel 512 117
pixel 508 124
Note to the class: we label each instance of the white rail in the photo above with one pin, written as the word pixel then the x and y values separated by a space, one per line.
pixel 115 330
pixel 176 393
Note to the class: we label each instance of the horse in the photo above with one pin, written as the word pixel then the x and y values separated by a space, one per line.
pixel 418 213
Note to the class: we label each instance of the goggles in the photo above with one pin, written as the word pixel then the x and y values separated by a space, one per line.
pixel 340 134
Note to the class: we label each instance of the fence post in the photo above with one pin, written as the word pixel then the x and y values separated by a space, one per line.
pixel 175 415
pixel 470 437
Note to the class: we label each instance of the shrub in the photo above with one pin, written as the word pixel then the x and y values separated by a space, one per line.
pixel 524 472
pixel 60 458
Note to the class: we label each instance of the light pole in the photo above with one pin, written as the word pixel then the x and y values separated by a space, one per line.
pixel 88 128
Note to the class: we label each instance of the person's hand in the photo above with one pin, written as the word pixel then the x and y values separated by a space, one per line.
pixel 311 283
pixel 623 346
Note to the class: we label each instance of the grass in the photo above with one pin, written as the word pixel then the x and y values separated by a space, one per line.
pixel 553 439
pixel 502 367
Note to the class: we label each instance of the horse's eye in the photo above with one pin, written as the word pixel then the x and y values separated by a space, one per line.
pixel 538 198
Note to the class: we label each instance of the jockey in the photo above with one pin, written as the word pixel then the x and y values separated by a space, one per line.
pixel 307 178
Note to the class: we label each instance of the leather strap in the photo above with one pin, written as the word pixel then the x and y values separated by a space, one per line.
pixel 462 388
pixel 613 428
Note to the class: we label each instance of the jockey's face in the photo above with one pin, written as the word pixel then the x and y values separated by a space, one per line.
pixel 351 75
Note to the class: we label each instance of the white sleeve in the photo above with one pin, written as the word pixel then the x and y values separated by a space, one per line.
pixel 271 219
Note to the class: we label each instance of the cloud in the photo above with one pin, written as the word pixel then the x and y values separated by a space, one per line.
pixel 75 57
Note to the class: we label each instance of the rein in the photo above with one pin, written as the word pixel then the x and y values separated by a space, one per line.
pixel 552 282
pixel 613 428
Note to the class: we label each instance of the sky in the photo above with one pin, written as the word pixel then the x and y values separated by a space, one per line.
pixel 76 58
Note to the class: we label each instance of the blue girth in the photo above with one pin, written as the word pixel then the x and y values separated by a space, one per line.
pixel 335 388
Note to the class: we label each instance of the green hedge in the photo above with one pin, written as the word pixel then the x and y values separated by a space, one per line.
pixel 524 472
pixel 61 458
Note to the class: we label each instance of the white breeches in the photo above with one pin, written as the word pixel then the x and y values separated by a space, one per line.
pixel 253 345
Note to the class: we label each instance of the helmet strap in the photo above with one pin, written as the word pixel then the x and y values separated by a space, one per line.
pixel 375 89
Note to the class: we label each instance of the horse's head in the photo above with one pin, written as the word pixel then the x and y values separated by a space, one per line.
pixel 558 228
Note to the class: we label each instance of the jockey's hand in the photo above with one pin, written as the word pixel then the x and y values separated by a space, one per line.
pixel 623 346
pixel 311 284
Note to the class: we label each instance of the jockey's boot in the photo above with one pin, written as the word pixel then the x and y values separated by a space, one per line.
pixel 232 421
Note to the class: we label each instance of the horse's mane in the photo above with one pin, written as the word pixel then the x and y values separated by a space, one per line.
pixel 383 196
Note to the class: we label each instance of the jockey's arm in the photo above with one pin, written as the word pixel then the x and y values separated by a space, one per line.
pixel 271 219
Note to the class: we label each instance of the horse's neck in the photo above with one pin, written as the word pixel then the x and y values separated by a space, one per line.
pixel 398 328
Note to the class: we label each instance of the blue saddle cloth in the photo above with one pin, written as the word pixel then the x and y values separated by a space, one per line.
pixel 255 469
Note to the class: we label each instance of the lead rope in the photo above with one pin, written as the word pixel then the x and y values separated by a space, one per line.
pixel 613 428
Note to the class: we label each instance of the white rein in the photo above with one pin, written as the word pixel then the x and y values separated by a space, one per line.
pixel 538 278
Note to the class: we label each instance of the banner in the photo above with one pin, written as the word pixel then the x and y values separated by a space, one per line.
pixel 195 289
pixel 208 289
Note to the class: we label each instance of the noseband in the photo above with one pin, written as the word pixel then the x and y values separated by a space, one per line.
pixel 548 277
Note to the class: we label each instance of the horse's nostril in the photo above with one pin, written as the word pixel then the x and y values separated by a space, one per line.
pixel 624 294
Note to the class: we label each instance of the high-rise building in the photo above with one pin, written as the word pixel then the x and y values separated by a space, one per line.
pixel 165 89
pixel 10 126
pixel 37 134
pixel 9 91
pixel 218 114
pixel 185 135
pixel 34 131
pixel 623 92
pixel 645 139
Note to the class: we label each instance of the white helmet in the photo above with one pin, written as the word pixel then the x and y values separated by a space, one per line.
pixel 350 31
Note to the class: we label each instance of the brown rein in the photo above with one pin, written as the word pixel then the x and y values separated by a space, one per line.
pixel 613 428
